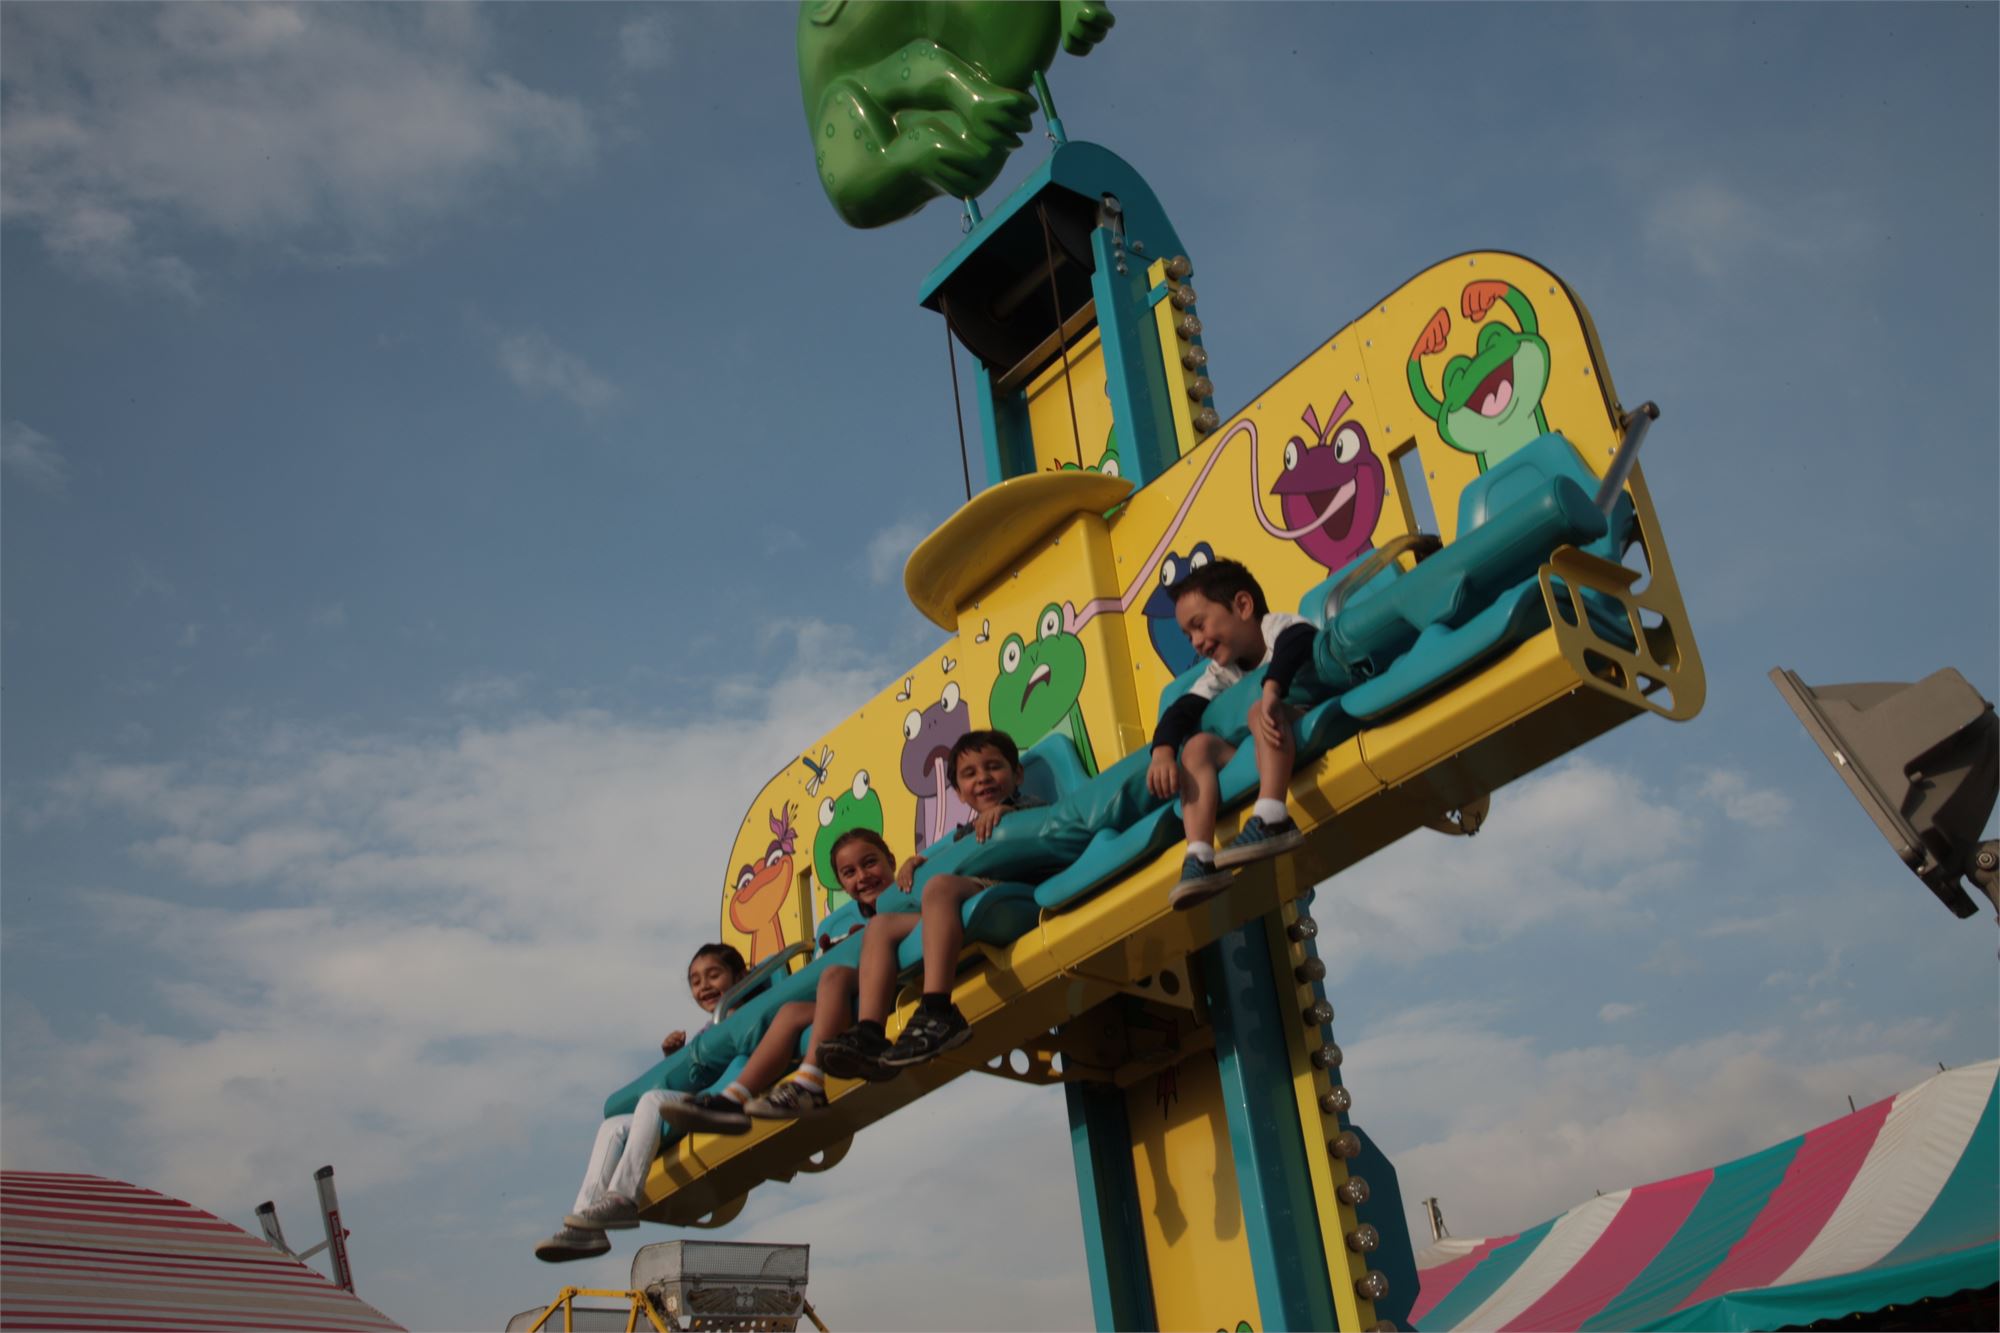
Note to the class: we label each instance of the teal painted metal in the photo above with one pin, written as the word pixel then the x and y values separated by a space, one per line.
pixel 1394 1258
pixel 1114 1242
pixel 1090 170
pixel 1134 377
pixel 1280 1219
pixel 1003 425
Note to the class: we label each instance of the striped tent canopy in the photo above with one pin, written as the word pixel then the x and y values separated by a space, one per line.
pixel 1895 1203
pixel 83 1252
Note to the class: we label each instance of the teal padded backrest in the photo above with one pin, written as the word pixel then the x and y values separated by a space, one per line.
pixel 1542 461
pixel 1180 685
pixel 1050 769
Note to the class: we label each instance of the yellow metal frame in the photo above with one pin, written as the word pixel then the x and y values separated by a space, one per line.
pixel 638 1301
pixel 1352 801
pixel 1337 1220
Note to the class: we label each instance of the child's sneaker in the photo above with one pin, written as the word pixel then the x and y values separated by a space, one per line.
pixel 928 1036
pixel 1259 840
pixel 855 1053
pixel 572 1243
pixel 709 1112
pixel 1200 881
pixel 787 1101
pixel 609 1212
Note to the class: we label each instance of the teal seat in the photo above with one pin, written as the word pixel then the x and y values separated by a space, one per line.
pixel 1404 634
pixel 703 1063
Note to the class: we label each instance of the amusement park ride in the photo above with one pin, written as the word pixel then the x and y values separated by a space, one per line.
pixel 1446 486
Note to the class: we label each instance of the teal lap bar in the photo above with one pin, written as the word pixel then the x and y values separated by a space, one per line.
pixel 1114 1240
pixel 1279 1217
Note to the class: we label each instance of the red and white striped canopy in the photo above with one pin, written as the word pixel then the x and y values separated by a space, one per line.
pixel 83 1252
pixel 1893 1204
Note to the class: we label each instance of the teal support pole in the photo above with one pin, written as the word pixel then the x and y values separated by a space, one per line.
pixel 1114 1240
pixel 1003 426
pixel 1133 375
pixel 1280 1220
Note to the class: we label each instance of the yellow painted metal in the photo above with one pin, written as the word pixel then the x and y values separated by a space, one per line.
pixel 1336 1219
pixel 997 528
pixel 1179 377
pixel 1058 442
pixel 1197 1251
pixel 1065 540
pixel 637 1305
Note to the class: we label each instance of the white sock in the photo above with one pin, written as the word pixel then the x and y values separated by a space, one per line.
pixel 1202 851
pixel 737 1093
pixel 810 1076
pixel 1271 812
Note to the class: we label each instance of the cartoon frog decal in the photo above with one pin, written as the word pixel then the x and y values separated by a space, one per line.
pixel 910 101
pixel 1107 462
pixel 757 899
pixel 1168 640
pixel 1039 686
pixel 1331 491
pixel 927 740
pixel 857 807
pixel 1492 399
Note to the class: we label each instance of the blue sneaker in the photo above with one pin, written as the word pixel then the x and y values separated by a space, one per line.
pixel 1259 840
pixel 1200 881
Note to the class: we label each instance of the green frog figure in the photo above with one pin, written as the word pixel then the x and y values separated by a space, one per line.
pixel 1039 685
pixel 1493 399
pixel 908 101
pixel 857 807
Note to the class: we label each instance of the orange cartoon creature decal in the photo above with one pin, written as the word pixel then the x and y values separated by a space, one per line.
pixel 757 900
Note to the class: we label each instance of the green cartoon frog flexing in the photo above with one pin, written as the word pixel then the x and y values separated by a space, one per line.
pixel 1493 399
pixel 1039 685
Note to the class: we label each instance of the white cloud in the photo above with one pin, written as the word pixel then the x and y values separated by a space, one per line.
pixel 1614 1011
pixel 1717 227
pixel 537 365
pixel 1578 842
pixel 889 550
pixel 486 691
pixel 190 634
pixel 1759 807
pixel 32 457
pixel 645 43
pixel 1547 1126
pixel 133 134
pixel 331 616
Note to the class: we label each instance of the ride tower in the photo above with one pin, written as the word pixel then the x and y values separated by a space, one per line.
pixel 1446 487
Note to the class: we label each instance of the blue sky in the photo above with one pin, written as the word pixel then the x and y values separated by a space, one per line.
pixel 416 417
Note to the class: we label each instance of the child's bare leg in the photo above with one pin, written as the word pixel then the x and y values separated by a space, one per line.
pixel 1274 764
pixel 1202 760
pixel 944 928
pixel 833 1007
pixel 878 963
pixel 775 1052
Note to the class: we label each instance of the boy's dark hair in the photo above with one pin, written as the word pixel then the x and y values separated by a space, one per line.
pixel 1220 581
pixel 727 954
pixel 873 839
pixel 984 740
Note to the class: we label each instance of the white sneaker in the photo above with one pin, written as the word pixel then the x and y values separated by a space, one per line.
pixel 610 1212
pixel 572 1243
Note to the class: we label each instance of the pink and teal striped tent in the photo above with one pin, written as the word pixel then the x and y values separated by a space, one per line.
pixel 1895 1203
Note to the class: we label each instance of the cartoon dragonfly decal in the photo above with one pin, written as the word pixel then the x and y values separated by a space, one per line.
pixel 818 768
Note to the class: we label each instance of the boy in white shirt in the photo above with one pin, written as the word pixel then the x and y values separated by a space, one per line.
pixel 1222 611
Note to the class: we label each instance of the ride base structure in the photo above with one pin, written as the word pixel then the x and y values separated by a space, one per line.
pixel 1446 487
